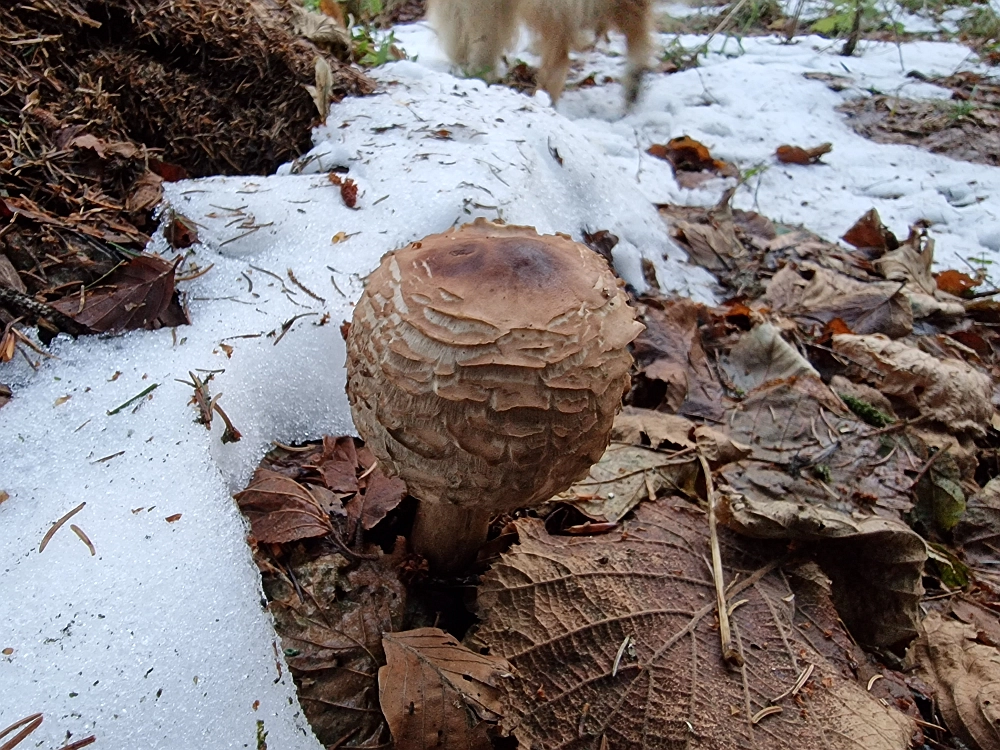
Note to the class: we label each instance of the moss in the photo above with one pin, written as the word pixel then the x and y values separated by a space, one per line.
pixel 866 412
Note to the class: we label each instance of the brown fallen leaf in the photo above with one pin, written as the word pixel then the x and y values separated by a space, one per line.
pixel 870 234
pixel 435 692
pixel 942 390
pixel 762 355
pixel 381 494
pixel 956 283
pixel 135 295
pixel 175 517
pixel 179 231
pixel 796 155
pixel 875 563
pixel 281 510
pixel 146 193
pixel 815 295
pixel 966 677
pixel 978 531
pixel 672 343
pixel 615 645
pixel 685 154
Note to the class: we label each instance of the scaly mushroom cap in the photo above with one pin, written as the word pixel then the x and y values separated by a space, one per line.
pixel 486 364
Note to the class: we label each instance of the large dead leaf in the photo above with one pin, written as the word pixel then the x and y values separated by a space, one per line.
pixel 807 447
pixel 911 263
pixel 762 355
pixel 281 510
pixel 942 390
pixel 966 677
pixel 814 295
pixel 136 295
pixel 436 693
pixel 615 645
pixel 875 563
pixel 330 610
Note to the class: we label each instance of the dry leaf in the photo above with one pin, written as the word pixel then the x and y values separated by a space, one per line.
pixel 330 613
pixel 762 355
pixel 136 295
pixel 614 644
pixel 808 446
pixel 629 471
pixel 911 262
pixel 812 294
pixel 966 677
pixel 9 277
pixel 281 510
pixel 672 337
pixel 946 391
pixel 796 155
pixel 875 563
pixel 978 531
pixel 147 192
pixel 436 693
pixel 685 154
pixel 956 283
pixel 381 495
pixel 869 233
pixel 179 231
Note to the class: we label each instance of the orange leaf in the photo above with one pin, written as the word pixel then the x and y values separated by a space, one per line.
pixel 956 282
pixel 870 232
pixel 796 155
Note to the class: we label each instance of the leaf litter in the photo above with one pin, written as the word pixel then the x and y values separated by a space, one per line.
pixel 836 415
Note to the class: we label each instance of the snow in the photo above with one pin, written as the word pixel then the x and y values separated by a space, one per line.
pixel 160 640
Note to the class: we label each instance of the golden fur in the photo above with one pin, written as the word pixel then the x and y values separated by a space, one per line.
pixel 475 34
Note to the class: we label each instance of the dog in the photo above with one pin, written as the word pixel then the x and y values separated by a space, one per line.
pixel 475 34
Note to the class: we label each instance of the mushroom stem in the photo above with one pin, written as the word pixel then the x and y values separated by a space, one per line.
pixel 449 536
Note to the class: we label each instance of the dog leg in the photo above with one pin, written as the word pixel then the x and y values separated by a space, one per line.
pixel 637 28
pixel 474 33
pixel 555 64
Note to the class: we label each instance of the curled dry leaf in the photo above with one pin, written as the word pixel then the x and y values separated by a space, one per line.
pixel 978 531
pixel 136 295
pixel 956 283
pixel 615 645
pixel 797 155
pixel 875 563
pixel 966 678
pixel 942 390
pixel 762 355
pixel 436 693
pixel 815 295
pixel 911 264
pixel 281 510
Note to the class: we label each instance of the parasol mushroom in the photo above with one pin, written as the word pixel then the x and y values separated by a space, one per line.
pixel 485 366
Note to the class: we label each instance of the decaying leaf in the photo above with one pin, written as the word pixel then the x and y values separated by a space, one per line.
pixel 672 344
pixel 978 531
pixel 136 295
pixel 381 494
pixel 797 155
pixel 966 677
pixel 436 693
pixel 942 390
pixel 809 448
pixel 330 613
pixel 875 563
pixel 281 510
pixel 762 355
pixel 615 645
pixel 816 296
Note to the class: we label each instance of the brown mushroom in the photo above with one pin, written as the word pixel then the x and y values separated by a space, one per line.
pixel 485 366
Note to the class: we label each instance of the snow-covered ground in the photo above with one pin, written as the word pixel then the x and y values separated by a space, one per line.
pixel 160 639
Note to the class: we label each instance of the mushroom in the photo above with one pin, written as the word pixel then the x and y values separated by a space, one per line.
pixel 485 366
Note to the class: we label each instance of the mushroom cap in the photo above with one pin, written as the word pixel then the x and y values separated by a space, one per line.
pixel 485 364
